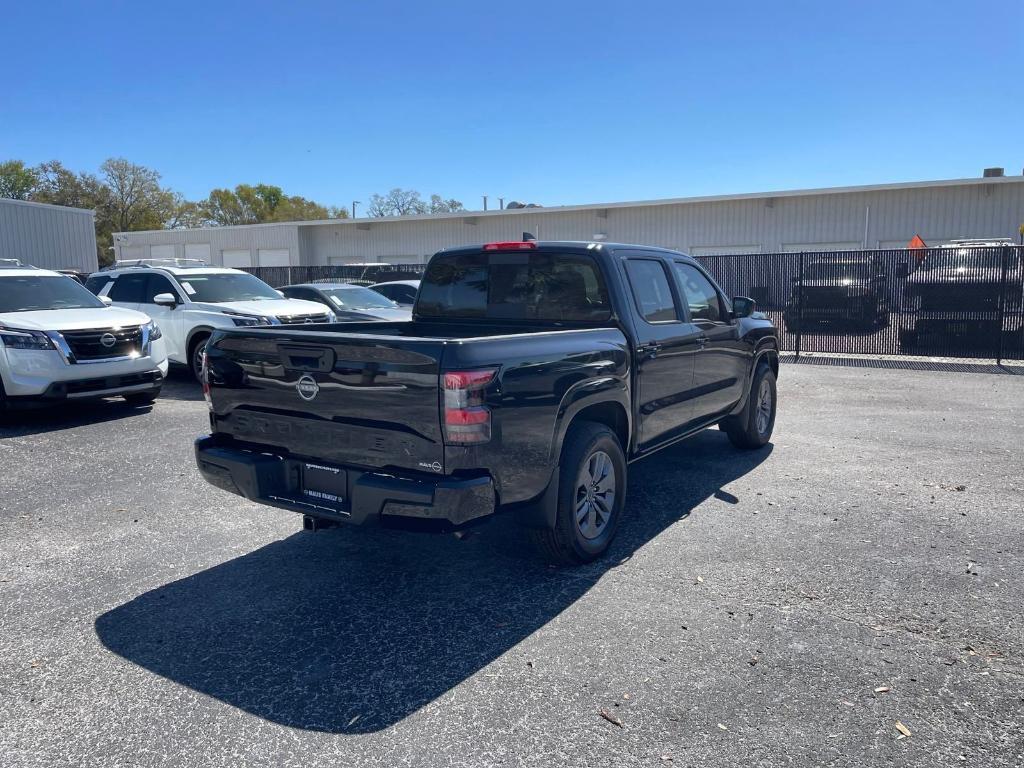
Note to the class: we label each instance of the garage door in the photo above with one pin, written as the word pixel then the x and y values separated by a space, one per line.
pixel 161 251
pixel 236 258
pixel 274 257
pixel 198 251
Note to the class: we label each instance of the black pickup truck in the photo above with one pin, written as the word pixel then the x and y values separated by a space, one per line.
pixel 530 375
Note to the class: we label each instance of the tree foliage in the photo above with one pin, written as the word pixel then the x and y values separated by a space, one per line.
pixel 406 202
pixel 130 197
pixel 261 203
pixel 17 181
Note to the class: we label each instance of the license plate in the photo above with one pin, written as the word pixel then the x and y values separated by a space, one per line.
pixel 324 484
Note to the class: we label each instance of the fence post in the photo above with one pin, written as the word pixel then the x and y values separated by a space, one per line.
pixel 800 307
pixel 1002 300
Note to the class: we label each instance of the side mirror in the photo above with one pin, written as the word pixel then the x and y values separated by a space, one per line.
pixel 279 293
pixel 742 306
pixel 106 300
pixel 166 300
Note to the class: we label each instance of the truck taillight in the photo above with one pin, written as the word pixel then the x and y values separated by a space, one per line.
pixel 205 376
pixel 467 421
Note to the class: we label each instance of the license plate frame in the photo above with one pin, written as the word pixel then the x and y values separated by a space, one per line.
pixel 324 485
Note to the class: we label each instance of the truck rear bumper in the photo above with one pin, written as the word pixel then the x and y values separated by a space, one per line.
pixel 352 495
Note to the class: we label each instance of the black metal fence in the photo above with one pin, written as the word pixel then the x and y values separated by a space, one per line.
pixel 947 302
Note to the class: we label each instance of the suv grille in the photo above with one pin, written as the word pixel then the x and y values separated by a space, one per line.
pixel 89 345
pixel 292 319
pixel 960 297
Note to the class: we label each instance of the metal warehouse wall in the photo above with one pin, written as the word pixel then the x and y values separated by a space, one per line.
pixel 882 217
pixel 266 237
pixel 885 218
pixel 48 236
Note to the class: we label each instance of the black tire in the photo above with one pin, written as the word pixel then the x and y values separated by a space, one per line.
pixel 752 427
pixel 570 541
pixel 195 358
pixel 142 398
pixel 908 341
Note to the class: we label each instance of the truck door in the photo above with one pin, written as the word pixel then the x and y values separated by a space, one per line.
pixel 665 348
pixel 721 364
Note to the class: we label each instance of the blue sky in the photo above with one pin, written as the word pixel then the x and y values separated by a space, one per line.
pixel 553 102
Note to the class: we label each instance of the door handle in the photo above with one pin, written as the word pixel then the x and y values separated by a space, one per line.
pixel 649 351
pixel 702 341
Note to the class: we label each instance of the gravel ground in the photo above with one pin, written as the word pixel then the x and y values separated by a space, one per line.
pixel 795 605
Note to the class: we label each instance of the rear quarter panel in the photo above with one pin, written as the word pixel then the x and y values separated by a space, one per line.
pixel 544 380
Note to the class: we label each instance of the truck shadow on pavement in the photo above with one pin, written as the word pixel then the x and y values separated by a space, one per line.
pixel 350 631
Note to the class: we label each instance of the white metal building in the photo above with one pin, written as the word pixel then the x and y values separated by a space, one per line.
pixel 877 216
pixel 48 236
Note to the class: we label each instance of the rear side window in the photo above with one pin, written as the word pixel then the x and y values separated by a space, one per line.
pixel 130 288
pixel 515 286
pixel 96 283
pixel 651 290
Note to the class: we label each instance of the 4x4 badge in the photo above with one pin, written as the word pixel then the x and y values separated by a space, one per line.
pixel 307 387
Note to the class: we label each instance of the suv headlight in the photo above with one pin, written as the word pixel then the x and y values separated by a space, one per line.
pixel 250 320
pixel 25 339
pixel 154 331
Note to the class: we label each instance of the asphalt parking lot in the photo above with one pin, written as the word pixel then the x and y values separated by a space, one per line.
pixel 786 606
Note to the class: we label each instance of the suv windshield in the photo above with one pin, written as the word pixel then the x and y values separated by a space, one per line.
pixel 514 286
pixel 841 271
pixel 970 258
pixel 216 288
pixel 357 297
pixel 25 293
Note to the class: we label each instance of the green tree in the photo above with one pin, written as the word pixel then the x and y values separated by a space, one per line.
pixel 260 203
pixel 440 205
pixel 397 202
pixel 17 180
pixel 58 185
pixel 406 202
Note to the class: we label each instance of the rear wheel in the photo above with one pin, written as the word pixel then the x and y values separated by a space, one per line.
pixel 753 426
pixel 591 495
pixel 195 356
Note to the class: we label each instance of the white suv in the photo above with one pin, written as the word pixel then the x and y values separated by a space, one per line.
pixel 59 342
pixel 188 299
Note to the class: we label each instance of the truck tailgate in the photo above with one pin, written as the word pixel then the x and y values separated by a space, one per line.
pixel 368 401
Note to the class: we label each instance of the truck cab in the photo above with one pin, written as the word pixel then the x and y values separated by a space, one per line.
pixel 529 375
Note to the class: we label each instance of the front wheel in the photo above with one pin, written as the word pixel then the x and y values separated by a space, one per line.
pixel 196 357
pixel 591 496
pixel 752 427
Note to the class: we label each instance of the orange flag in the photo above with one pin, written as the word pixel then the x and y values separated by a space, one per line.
pixel 916 243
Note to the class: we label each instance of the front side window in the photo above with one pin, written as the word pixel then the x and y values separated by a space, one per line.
pixel 651 290
pixel 158 284
pixel 226 286
pixel 27 293
pixel 514 286
pixel 698 292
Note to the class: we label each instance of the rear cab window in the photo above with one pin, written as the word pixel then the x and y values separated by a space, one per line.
pixel 515 286
pixel 651 290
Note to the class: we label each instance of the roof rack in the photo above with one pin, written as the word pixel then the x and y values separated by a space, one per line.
pixel 15 264
pixel 151 263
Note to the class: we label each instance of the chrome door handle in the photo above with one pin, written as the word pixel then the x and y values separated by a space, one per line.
pixel 702 342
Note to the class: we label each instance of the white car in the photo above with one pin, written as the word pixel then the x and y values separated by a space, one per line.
pixel 188 299
pixel 59 342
